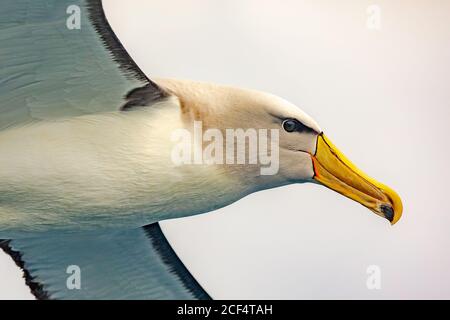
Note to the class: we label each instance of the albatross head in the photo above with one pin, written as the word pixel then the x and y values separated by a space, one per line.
pixel 304 153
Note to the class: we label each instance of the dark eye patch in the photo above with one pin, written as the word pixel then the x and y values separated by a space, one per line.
pixel 293 125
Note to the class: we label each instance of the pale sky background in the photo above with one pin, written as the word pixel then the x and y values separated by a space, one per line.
pixel 382 96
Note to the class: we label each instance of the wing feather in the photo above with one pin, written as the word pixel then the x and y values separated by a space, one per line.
pixel 48 71
pixel 129 264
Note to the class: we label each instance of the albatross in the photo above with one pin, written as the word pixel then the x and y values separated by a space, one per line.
pixel 86 157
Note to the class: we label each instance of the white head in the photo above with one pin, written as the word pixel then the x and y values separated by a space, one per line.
pixel 305 154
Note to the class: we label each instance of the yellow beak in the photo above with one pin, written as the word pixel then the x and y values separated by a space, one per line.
pixel 335 171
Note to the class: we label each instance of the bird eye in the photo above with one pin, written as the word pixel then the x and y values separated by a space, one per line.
pixel 289 125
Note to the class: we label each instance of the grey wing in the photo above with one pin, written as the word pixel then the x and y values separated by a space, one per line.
pixel 129 264
pixel 50 69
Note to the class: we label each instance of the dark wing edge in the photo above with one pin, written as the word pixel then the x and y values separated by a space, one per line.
pixel 174 263
pixel 36 288
pixel 151 91
pixel 110 40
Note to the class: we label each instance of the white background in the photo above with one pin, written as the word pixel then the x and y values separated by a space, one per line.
pixel 382 96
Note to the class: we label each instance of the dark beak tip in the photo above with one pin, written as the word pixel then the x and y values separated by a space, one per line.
pixel 388 212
